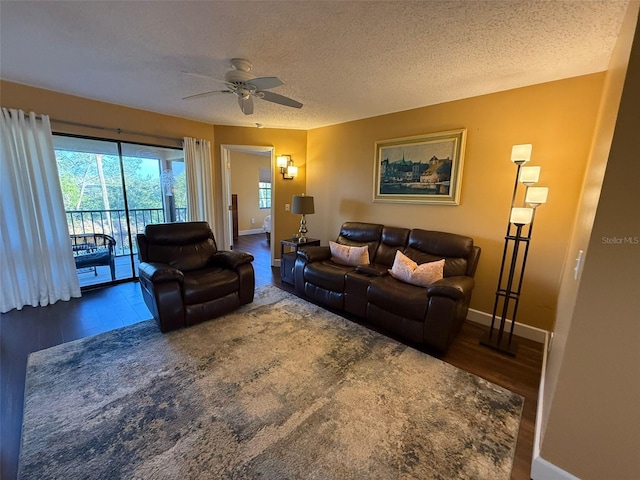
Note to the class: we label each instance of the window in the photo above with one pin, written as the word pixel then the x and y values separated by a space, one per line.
pixel 116 188
pixel 264 194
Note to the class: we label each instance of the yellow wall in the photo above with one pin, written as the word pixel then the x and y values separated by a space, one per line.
pixel 558 118
pixel 82 110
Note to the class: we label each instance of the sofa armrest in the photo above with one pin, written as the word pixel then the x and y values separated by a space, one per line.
pixel 373 270
pixel 456 288
pixel 314 254
pixel 157 272
pixel 231 259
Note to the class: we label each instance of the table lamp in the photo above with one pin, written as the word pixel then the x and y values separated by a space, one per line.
pixel 302 205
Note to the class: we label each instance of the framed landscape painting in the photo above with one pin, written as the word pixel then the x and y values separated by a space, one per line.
pixel 421 169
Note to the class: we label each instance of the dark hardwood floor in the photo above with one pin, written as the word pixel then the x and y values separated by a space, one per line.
pixel 32 329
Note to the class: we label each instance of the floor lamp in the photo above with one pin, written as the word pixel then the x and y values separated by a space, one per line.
pixel 516 250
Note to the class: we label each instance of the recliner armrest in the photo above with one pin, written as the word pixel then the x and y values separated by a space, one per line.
pixel 157 272
pixel 456 288
pixel 314 254
pixel 231 259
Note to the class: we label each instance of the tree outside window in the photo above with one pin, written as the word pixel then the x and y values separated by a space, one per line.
pixel 264 195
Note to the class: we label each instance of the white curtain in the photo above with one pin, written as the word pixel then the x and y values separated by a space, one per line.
pixel 36 261
pixel 199 172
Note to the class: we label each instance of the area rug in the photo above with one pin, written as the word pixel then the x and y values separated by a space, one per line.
pixel 280 389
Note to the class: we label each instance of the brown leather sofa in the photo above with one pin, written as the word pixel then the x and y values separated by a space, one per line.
pixel 424 315
pixel 185 279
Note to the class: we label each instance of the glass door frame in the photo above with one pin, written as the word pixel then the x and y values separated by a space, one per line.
pixel 166 203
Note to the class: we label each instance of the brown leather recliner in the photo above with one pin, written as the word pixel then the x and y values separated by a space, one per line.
pixel 185 279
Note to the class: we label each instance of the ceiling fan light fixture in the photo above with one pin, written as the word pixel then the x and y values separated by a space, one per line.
pixel 241 64
pixel 244 85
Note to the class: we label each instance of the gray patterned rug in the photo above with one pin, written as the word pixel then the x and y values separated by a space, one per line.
pixel 280 389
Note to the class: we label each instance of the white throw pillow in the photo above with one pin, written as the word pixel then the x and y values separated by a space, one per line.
pixel 408 271
pixel 346 255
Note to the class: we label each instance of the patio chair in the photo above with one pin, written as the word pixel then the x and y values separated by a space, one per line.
pixel 91 250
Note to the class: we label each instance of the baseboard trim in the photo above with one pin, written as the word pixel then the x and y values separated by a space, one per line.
pixel 250 232
pixel 525 331
pixel 542 469
pixel 537 439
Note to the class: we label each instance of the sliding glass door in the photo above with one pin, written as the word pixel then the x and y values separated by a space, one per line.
pixel 114 189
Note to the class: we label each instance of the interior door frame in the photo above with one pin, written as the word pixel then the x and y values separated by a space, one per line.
pixel 225 168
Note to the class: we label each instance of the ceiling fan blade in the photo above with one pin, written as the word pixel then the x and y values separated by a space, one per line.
pixel 205 94
pixel 246 105
pixel 263 83
pixel 281 99
pixel 208 77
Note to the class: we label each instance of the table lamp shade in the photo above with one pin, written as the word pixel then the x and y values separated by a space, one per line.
pixel 302 205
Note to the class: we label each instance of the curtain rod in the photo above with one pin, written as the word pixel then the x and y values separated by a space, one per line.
pixel 109 129
pixel 116 130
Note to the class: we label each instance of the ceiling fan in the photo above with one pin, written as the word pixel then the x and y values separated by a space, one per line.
pixel 245 86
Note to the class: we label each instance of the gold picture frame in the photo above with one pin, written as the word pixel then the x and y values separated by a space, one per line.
pixel 424 169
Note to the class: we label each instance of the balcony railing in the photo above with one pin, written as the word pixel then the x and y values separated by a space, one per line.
pixel 114 223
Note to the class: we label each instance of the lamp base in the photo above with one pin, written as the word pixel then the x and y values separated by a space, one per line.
pixel 302 231
pixel 505 346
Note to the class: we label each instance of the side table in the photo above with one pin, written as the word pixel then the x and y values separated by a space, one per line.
pixel 288 252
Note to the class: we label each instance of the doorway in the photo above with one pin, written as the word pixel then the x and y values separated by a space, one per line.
pixel 242 176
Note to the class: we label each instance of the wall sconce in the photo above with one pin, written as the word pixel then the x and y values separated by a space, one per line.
pixel 512 268
pixel 288 170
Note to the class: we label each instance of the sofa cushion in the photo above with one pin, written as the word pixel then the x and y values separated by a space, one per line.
pixel 327 275
pixel 100 257
pixel 391 240
pixel 208 283
pixel 428 246
pixel 406 270
pixel 356 234
pixel 403 299
pixel 185 246
pixel 183 257
pixel 346 255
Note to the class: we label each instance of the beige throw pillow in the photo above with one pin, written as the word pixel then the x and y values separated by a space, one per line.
pixel 408 271
pixel 346 255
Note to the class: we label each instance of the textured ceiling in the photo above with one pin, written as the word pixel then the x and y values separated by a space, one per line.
pixel 343 60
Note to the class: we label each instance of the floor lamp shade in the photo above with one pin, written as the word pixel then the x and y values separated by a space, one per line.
pixel 302 204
